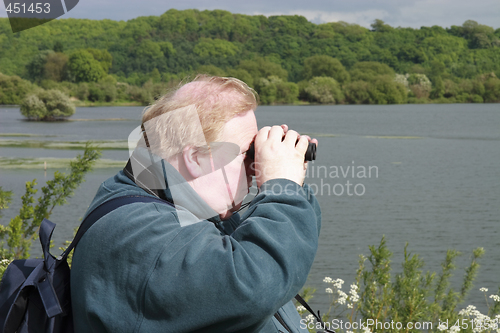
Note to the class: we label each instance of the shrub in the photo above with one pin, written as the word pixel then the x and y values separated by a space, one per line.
pixel 274 90
pixel 47 105
pixel 13 89
pixel 412 296
pixel 324 90
pixel 16 236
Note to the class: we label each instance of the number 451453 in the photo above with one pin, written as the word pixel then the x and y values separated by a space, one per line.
pixel 38 8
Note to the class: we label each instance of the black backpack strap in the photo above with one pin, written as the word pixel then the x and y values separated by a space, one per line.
pixel 317 316
pixel 104 209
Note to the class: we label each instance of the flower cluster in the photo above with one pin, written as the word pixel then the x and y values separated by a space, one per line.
pixel 343 298
pixel 482 322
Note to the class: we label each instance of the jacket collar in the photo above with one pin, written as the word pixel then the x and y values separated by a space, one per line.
pixel 159 178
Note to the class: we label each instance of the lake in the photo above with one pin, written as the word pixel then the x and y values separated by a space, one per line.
pixel 423 174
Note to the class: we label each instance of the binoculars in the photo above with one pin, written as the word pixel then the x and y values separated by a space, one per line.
pixel 309 156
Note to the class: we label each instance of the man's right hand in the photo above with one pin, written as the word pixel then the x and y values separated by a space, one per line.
pixel 277 155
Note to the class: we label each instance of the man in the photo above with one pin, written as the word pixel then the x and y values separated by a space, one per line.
pixel 195 265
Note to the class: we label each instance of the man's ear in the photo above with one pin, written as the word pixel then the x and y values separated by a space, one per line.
pixel 192 161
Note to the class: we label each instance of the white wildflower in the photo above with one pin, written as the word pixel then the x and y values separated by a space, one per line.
pixel 329 290
pixel 349 332
pixel 467 311
pixel 327 280
pixel 442 327
pixel 366 330
pixel 484 290
pixel 454 329
pixel 5 262
pixel 496 298
pixel 354 293
pixel 310 318
pixel 301 308
pixel 349 306
pixel 342 297
pixel 338 283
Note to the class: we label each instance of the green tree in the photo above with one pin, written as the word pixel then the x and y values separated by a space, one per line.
pixel 56 67
pixel 357 92
pixel 17 236
pixel 262 68
pixel 216 48
pixel 13 89
pixel 84 67
pixel 492 90
pixel 438 90
pixel 380 26
pixel 47 105
pixel 274 90
pixel 324 65
pixel 36 67
pixel 369 70
pixel 211 70
pixel 241 74
pixel 104 58
pixel 324 90
pixel 384 90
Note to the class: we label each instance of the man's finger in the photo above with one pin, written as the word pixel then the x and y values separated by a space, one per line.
pixel 302 145
pixel 291 137
pixel 276 133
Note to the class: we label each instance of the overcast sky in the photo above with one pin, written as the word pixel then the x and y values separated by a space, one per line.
pixel 404 13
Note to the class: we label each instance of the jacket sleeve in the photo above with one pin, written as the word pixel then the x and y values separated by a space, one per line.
pixel 236 282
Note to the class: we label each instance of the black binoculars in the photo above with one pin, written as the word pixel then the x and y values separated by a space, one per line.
pixel 309 156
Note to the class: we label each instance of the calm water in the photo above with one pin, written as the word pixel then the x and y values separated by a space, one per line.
pixel 434 180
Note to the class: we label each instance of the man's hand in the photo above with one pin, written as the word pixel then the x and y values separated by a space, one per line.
pixel 277 155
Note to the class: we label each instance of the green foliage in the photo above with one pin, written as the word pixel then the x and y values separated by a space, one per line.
pixel 16 237
pixel 85 68
pixel 324 90
pixel 56 67
pixel 36 67
pixel 177 43
pixel 492 90
pixel 47 105
pixel 357 92
pixel 410 296
pixel 262 68
pixel 103 56
pixel 369 70
pixel 274 90
pixel 324 65
pixel 13 89
pixel 216 48
pixel 385 90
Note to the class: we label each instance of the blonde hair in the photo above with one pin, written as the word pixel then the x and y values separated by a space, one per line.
pixel 209 101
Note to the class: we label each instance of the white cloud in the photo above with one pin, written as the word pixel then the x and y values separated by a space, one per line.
pixel 363 18
pixel 404 13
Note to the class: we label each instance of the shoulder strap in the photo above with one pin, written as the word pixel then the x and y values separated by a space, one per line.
pixel 317 316
pixel 104 209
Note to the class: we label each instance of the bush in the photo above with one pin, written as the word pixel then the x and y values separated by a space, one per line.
pixel 357 92
pixel 274 90
pixel 324 90
pixel 47 105
pixel 411 296
pixel 384 90
pixel 17 236
pixel 13 89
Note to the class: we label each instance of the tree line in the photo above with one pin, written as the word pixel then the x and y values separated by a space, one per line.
pixel 287 59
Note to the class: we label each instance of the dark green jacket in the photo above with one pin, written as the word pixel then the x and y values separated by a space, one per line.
pixel 138 270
